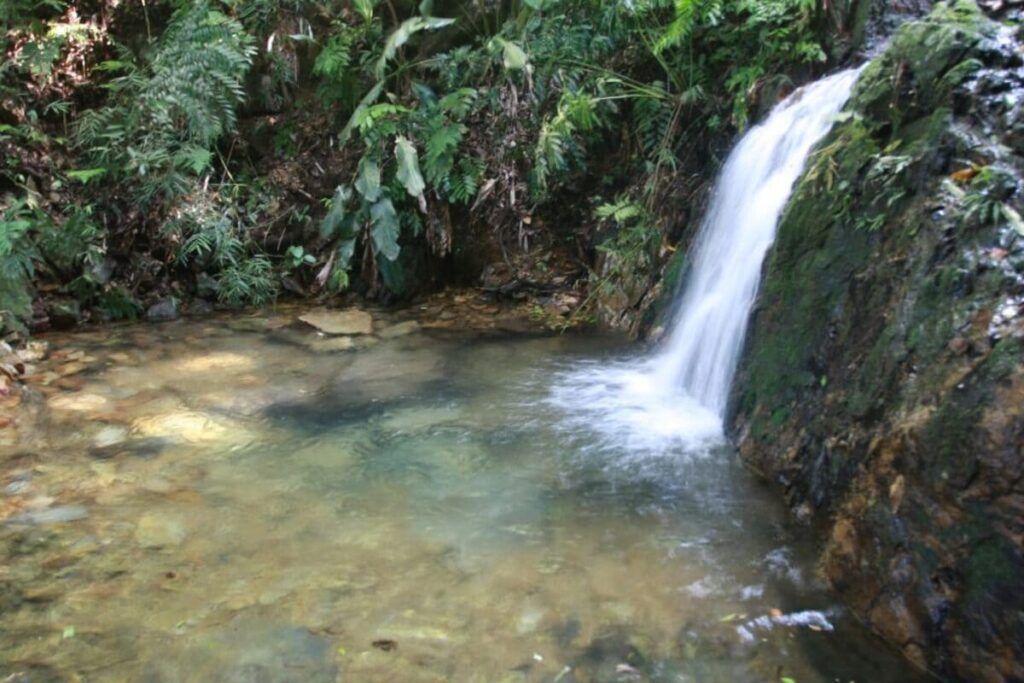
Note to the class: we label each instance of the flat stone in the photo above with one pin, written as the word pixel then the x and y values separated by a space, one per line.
pixel 178 426
pixel 331 344
pixel 109 436
pixel 79 402
pixel 158 531
pixel 348 322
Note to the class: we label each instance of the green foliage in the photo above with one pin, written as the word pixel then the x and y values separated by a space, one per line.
pixel 166 114
pixel 634 237
pixel 986 201
pixel 401 35
pixel 247 281
pixel 484 117
pixel 214 236
pixel 17 220
pixel 117 303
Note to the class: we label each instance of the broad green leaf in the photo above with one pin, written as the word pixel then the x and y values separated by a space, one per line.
pixel 368 182
pixel 334 220
pixel 400 36
pixel 384 229
pixel 513 56
pixel 409 167
pixel 346 250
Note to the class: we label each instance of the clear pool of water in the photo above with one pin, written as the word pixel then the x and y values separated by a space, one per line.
pixel 233 500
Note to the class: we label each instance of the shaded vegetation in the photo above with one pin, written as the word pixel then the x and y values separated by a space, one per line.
pixel 235 149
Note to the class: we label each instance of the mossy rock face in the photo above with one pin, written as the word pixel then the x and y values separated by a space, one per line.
pixel 883 378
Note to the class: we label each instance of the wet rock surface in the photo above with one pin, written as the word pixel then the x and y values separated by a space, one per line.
pixel 882 383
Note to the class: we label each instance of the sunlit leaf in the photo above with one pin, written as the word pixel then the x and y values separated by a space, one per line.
pixel 84 175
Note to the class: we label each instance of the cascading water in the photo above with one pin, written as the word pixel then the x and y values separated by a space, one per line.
pixel 680 395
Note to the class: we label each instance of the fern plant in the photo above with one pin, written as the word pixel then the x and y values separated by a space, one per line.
pixel 166 114
pixel 17 252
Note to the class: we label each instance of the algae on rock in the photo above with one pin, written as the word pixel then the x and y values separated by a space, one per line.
pixel 883 380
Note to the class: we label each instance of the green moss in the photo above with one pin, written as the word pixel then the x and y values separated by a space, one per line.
pixel 658 314
pixel 923 64
pixel 993 566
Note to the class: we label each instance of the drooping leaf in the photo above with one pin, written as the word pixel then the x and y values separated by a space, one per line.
pixel 512 56
pixel 368 181
pixel 334 220
pixel 400 36
pixel 344 254
pixel 384 229
pixel 409 167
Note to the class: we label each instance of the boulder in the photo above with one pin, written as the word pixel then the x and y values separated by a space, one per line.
pixel 165 309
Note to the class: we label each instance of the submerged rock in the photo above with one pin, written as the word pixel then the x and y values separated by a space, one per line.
pixel 159 531
pixel 400 329
pixel 883 382
pixel 349 322
pixel 64 315
pixel 165 309
pixel 80 402
pixel 54 515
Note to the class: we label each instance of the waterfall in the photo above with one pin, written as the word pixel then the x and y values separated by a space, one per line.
pixel 755 184
pixel 679 395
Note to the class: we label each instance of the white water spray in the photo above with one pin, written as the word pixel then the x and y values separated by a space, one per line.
pixel 679 396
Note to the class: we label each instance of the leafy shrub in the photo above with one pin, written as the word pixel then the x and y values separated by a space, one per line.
pixel 165 115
